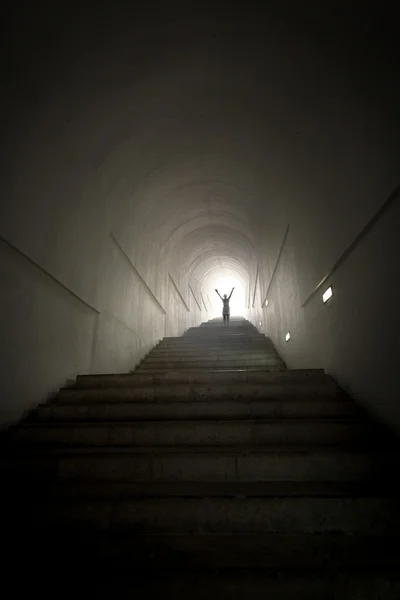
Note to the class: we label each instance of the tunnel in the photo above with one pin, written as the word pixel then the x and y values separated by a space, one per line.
pixel 153 153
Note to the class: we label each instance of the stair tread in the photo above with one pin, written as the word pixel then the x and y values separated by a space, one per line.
pixel 182 422
pixel 196 400
pixel 224 489
pixel 242 450
pixel 170 365
pixel 130 553
pixel 182 396
pixel 289 372
pixel 310 493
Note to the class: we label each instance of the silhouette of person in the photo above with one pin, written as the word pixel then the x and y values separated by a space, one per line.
pixel 225 308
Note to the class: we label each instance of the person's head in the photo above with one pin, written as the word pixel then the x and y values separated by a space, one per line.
pixel 224 295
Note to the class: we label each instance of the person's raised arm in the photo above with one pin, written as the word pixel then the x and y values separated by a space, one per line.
pixel 231 293
pixel 219 294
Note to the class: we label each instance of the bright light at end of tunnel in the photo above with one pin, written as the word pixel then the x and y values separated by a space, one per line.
pixel 287 337
pixel 328 294
pixel 237 302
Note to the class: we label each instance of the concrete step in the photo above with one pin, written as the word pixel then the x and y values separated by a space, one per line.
pixel 234 325
pixel 213 360
pixel 210 365
pixel 224 516
pixel 126 581
pixel 300 377
pixel 217 347
pixel 224 339
pixel 195 355
pixel 184 433
pixel 210 361
pixel 234 322
pixel 222 335
pixel 228 328
pixel 123 490
pixel 199 391
pixel 232 567
pixel 181 343
pixel 218 369
pixel 246 583
pixel 224 409
pixel 240 584
pixel 216 342
pixel 267 551
pixel 215 350
pixel 221 352
pixel 222 330
pixel 202 464
pixel 218 324
pixel 222 327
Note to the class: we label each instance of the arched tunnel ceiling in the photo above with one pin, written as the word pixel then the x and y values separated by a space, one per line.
pixel 179 149
pixel 214 246
pixel 186 116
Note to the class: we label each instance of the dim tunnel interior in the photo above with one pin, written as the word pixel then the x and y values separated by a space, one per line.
pixel 155 153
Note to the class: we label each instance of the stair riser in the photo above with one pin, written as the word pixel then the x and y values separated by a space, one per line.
pixel 228 331
pixel 210 338
pixel 234 377
pixel 208 342
pixel 71 491
pixel 234 325
pixel 228 515
pixel 190 433
pixel 160 368
pixel 256 584
pixel 193 356
pixel 234 567
pixel 216 347
pixel 161 372
pixel 201 467
pixel 209 364
pixel 200 392
pixel 200 410
pixel 221 332
pixel 217 351
pixel 185 357
pixel 340 466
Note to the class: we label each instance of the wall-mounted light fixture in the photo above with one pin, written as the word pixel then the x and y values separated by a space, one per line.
pixel 266 303
pixel 260 323
pixel 287 337
pixel 327 294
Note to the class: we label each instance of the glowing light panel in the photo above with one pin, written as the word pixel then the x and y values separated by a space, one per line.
pixel 328 294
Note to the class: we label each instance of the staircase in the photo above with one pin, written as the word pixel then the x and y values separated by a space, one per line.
pixel 213 471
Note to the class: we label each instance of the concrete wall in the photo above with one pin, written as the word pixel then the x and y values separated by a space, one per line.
pixel 354 335
pixel 344 164
pixel 49 334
